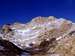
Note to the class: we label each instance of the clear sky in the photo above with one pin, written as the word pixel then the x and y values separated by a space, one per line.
pixel 24 10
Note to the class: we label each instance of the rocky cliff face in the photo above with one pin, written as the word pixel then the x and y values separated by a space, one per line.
pixel 43 36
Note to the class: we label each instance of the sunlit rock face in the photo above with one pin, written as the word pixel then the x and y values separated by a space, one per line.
pixel 31 34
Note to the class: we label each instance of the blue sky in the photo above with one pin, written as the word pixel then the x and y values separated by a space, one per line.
pixel 24 10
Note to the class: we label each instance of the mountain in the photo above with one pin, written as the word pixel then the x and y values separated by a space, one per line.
pixel 42 36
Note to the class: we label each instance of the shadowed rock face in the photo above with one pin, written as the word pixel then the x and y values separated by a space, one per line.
pixel 9 49
pixel 40 36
